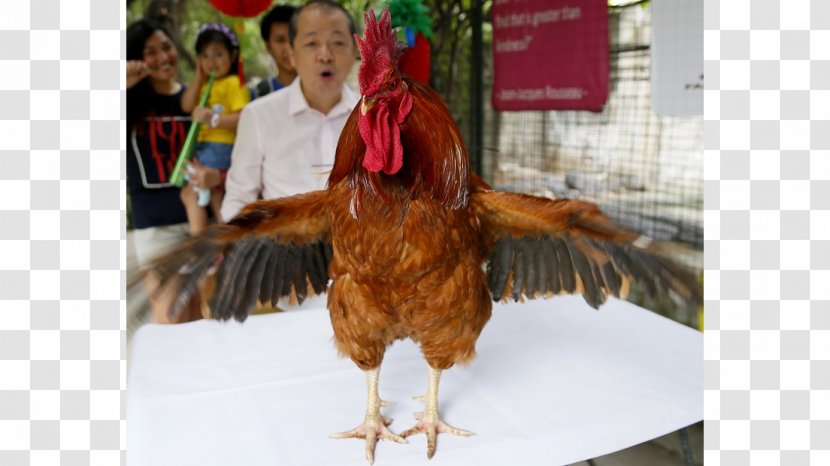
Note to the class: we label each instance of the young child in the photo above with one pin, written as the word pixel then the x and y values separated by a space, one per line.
pixel 217 48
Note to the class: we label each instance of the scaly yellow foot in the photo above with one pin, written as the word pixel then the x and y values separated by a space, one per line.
pixel 429 422
pixel 374 425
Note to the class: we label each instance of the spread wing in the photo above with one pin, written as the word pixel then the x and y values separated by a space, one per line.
pixel 271 249
pixel 543 247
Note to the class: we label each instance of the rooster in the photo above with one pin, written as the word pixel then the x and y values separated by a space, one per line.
pixel 408 243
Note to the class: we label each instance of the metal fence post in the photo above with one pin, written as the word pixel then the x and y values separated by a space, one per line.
pixel 476 88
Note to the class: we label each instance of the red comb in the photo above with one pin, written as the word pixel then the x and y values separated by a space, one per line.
pixel 378 49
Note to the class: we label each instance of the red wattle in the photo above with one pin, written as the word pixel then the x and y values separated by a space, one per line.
pixel 374 129
pixel 395 162
pixel 381 132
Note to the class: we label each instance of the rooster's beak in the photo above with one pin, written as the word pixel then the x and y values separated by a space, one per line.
pixel 366 104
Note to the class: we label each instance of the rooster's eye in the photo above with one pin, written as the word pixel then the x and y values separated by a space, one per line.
pixel 392 85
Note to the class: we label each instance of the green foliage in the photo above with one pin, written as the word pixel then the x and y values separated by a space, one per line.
pixel 412 14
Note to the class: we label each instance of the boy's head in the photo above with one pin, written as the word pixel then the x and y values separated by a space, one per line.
pixel 274 31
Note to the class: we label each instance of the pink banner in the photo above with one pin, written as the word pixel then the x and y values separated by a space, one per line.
pixel 550 54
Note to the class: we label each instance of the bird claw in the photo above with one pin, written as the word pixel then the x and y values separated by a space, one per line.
pixel 432 426
pixel 386 404
pixel 371 430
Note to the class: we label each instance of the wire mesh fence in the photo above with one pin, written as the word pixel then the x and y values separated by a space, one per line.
pixel 643 169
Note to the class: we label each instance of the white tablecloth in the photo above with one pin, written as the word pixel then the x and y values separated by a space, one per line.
pixel 555 382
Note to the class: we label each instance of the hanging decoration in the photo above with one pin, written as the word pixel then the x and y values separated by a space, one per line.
pixel 410 17
pixel 241 8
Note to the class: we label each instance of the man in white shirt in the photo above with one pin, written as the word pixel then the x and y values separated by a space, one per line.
pixel 285 141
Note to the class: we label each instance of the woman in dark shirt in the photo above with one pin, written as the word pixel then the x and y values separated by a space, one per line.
pixel 156 130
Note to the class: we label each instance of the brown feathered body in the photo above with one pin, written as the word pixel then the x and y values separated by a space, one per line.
pixel 422 279
pixel 407 254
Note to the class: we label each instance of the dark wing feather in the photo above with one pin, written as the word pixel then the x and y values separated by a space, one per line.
pixel 188 286
pixel 298 280
pixel 564 265
pixel 610 277
pixel 519 269
pixel 591 289
pixel 238 259
pixel 318 268
pixel 268 274
pixel 271 248
pixel 550 262
pixel 289 270
pixel 498 267
pixel 540 276
pixel 279 275
pixel 254 281
pixel 531 263
pixel 568 246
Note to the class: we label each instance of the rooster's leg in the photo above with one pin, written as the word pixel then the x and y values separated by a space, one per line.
pixel 429 422
pixel 374 425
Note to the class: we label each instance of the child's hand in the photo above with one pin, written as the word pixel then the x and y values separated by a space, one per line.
pixel 201 115
pixel 201 75
pixel 202 71
pixel 203 177
pixel 136 71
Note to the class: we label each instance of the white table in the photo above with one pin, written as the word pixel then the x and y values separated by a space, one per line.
pixel 555 382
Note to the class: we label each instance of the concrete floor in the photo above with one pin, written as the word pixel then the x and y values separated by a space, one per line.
pixel 662 451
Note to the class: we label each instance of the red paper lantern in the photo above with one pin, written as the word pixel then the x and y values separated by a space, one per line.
pixel 244 8
pixel 415 60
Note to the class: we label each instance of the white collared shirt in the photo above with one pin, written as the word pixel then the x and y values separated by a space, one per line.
pixel 283 147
